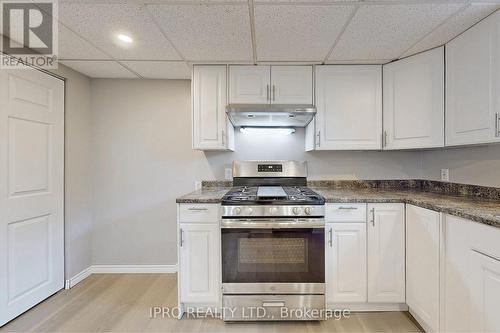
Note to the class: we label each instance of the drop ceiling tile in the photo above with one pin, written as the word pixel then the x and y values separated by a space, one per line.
pixel 453 27
pixel 386 31
pixel 207 32
pixel 100 69
pixel 100 23
pixel 298 33
pixel 160 69
pixel 72 46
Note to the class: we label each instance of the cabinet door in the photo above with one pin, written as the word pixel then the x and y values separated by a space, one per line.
pixel 422 265
pixel 414 101
pixel 345 262
pixel 199 263
pixel 485 293
pixel 472 79
pixel 249 84
pixel 291 85
pixel 210 123
pixel 349 104
pixel 386 253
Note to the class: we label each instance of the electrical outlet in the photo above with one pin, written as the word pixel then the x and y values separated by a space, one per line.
pixel 445 175
pixel 197 185
pixel 228 174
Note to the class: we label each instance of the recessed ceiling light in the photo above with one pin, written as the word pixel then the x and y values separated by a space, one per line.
pixel 125 38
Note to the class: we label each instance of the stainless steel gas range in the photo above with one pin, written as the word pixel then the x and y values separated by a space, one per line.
pixel 273 243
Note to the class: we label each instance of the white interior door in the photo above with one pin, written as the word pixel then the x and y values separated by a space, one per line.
pixel 31 189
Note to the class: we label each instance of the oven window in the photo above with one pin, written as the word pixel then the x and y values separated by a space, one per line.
pixel 273 255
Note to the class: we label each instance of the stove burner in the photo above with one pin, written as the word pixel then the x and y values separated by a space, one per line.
pixel 294 195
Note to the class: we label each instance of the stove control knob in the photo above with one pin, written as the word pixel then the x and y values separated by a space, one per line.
pixel 273 210
pixel 237 211
pixel 308 210
pixel 249 211
pixel 296 210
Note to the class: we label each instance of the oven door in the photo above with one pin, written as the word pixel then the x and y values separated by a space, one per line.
pixel 279 256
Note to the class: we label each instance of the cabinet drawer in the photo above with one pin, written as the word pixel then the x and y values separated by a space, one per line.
pixel 346 212
pixel 199 213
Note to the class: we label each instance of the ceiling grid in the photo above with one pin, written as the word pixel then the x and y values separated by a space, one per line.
pixel 170 36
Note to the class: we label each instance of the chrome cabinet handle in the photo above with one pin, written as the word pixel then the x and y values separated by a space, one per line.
pixel 197 209
pixel 497 124
pixel 274 92
pixel 373 216
pixel 223 137
pixel 267 93
pixel 181 240
pixel 330 237
pixel 273 303
pixel 347 208
pixel 319 139
pixel 384 140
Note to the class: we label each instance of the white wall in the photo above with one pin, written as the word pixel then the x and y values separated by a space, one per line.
pixel 472 165
pixel 142 161
pixel 78 191
pixel 322 164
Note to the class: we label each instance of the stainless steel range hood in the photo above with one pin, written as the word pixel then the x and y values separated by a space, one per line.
pixel 270 115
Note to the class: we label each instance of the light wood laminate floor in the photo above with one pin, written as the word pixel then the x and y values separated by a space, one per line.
pixel 122 302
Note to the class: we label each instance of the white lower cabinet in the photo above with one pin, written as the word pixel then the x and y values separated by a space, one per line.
pixel 386 253
pixel 365 262
pixel 345 263
pixel 422 265
pixel 199 256
pixel 471 284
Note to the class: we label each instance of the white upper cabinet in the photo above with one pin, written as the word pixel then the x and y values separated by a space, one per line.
pixel 414 101
pixel 249 84
pixel 349 105
pixel 386 253
pixel 211 128
pixel 291 85
pixel 270 84
pixel 423 228
pixel 472 83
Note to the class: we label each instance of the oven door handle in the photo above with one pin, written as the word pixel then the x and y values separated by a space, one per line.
pixel 272 224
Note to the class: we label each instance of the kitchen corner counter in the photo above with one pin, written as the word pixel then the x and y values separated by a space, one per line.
pixel 476 209
pixel 205 195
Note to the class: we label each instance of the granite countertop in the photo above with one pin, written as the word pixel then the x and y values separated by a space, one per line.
pixel 205 195
pixel 476 209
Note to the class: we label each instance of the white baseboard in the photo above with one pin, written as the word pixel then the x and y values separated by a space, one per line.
pixel 78 278
pixel 118 269
pixel 112 269
pixel 368 307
